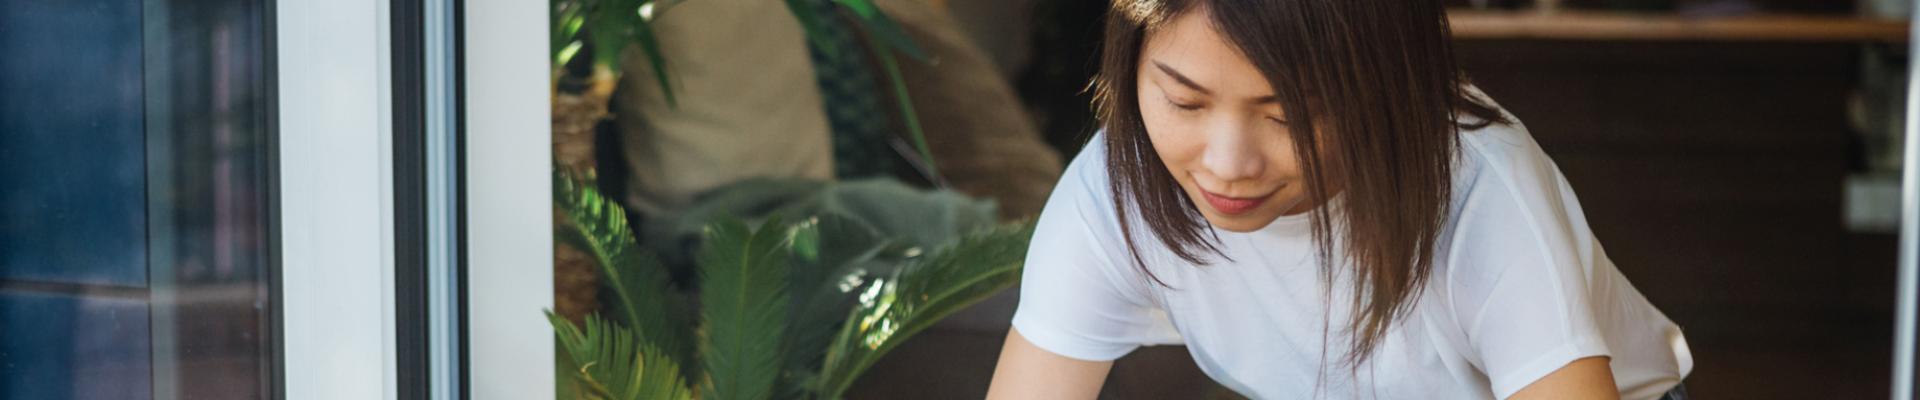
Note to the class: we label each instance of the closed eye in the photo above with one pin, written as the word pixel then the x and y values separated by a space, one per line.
pixel 1183 106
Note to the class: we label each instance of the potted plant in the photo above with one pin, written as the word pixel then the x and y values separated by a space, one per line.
pixel 782 310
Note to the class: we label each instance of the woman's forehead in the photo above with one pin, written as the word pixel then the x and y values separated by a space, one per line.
pixel 1190 45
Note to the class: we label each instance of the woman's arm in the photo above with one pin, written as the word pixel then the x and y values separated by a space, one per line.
pixel 1586 378
pixel 1026 371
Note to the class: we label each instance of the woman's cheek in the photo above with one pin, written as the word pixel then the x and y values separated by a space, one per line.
pixel 1175 135
pixel 1176 142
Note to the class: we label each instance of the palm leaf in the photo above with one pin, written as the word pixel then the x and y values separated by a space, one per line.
pixel 812 23
pixel 916 296
pixel 610 23
pixel 910 117
pixel 744 298
pixel 650 46
pixel 854 232
pixel 881 34
pixel 565 19
pixel 610 26
pixel 608 363
pixel 836 257
pixel 878 24
pixel 642 291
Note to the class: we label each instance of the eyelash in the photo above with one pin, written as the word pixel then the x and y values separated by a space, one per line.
pixel 1196 107
pixel 1183 107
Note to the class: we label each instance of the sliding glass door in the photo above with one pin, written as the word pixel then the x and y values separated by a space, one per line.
pixel 136 221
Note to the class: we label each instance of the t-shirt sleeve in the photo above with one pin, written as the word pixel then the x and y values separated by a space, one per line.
pixel 1526 281
pixel 1079 297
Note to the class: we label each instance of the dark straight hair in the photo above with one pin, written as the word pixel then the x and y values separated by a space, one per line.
pixel 1378 82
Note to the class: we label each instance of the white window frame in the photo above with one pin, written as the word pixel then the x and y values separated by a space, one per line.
pixel 509 200
pixel 336 201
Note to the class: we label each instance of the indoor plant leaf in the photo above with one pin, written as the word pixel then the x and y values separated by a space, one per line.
pixel 811 22
pixel 902 214
pixel 908 116
pixel 914 297
pixel 845 256
pixel 609 363
pixel 743 298
pixel 609 25
pixel 650 46
pixel 565 19
pixel 643 296
pixel 878 24
pixel 883 36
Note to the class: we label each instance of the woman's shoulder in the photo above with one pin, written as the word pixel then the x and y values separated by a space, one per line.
pixel 1512 205
pixel 1496 146
pixel 1082 201
pixel 1079 229
pixel 1502 158
pixel 1088 169
pixel 1086 191
pixel 1083 195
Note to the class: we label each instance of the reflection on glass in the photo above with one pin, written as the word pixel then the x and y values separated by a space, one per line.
pixel 135 207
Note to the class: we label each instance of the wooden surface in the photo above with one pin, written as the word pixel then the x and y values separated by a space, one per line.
pixel 1591 25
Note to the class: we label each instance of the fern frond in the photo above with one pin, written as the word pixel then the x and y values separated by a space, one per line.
pixel 610 26
pixel 835 257
pixel 744 300
pixel 644 296
pixel 916 296
pixel 609 364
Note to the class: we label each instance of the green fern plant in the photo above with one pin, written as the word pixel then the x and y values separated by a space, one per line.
pixel 911 299
pixel 609 363
pixel 608 26
pixel 786 310
pixel 743 301
pixel 642 293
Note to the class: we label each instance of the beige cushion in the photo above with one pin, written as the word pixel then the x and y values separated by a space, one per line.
pixel 748 104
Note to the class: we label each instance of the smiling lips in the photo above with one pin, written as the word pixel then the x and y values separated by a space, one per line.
pixel 1232 205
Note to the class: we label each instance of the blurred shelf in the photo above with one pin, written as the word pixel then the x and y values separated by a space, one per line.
pixel 1471 24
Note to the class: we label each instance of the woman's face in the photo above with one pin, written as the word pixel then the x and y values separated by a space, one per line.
pixel 1215 123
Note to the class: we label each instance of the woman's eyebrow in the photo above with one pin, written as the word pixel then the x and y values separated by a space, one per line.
pixel 1177 77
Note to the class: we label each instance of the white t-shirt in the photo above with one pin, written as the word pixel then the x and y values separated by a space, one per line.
pixel 1520 288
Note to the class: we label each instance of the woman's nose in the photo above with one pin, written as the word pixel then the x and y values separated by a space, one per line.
pixel 1231 153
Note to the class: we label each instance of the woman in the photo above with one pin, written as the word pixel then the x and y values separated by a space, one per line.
pixel 1319 206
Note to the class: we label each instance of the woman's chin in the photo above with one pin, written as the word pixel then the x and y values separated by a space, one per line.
pixel 1242 223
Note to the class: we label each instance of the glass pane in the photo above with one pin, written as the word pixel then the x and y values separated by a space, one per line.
pixel 72 92
pixel 135 218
